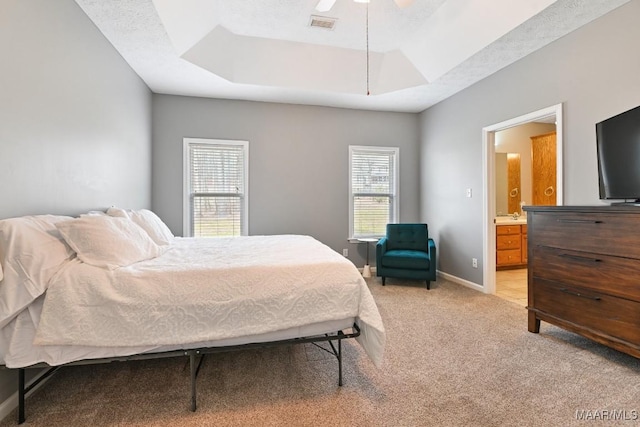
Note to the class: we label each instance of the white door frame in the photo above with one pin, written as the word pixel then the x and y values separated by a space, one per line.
pixel 489 193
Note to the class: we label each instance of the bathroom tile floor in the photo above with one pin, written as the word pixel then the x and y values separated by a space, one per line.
pixel 512 285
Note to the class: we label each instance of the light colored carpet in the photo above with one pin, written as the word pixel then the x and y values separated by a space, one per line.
pixel 454 357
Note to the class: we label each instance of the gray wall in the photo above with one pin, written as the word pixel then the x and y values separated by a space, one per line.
pixel 298 161
pixel 593 71
pixel 75 121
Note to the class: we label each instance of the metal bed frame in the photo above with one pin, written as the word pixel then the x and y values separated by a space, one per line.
pixel 192 354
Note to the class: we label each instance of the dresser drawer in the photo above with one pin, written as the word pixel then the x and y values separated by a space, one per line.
pixel 507 229
pixel 599 233
pixel 612 316
pixel 508 257
pixel 508 242
pixel 602 273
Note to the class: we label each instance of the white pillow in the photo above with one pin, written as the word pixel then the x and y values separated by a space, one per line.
pixel 93 213
pixel 153 225
pixel 117 212
pixel 31 252
pixel 105 241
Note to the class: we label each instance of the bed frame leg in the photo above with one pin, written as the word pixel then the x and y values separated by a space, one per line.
pixel 21 393
pixel 340 362
pixel 192 363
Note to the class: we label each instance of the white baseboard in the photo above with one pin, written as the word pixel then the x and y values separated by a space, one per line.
pixel 460 281
pixel 11 403
pixel 448 277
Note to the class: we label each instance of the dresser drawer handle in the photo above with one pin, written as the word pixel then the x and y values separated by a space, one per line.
pixel 582 221
pixel 580 258
pixel 578 294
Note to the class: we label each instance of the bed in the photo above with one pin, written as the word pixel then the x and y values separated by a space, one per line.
pixel 119 286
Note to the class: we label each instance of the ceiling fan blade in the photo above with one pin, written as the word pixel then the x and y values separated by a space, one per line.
pixel 325 5
pixel 403 3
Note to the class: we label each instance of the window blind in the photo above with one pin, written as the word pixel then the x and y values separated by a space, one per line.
pixel 373 190
pixel 217 185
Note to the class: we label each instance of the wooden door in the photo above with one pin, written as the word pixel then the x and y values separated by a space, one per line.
pixel 543 169
pixel 513 178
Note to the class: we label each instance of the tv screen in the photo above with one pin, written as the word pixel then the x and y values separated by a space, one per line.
pixel 618 143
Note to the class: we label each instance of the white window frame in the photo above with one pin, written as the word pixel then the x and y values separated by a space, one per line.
pixel 395 208
pixel 186 193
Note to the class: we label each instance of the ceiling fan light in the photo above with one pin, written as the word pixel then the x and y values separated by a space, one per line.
pixel 325 5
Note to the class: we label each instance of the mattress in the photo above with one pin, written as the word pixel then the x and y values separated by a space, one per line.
pixel 18 351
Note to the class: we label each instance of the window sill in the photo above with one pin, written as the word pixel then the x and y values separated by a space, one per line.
pixel 357 239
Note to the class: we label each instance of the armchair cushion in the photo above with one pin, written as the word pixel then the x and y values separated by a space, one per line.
pixel 406 258
pixel 407 236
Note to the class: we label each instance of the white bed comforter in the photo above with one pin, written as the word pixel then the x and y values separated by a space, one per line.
pixel 209 289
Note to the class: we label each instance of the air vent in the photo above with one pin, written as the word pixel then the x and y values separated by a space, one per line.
pixel 322 22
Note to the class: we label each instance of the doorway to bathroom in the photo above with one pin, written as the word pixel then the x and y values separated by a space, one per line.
pixel 522 165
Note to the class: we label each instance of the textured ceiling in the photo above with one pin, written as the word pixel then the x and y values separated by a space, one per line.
pixel 264 50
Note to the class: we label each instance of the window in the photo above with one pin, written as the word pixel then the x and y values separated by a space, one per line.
pixel 373 190
pixel 215 187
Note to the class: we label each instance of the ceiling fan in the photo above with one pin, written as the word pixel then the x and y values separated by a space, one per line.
pixel 326 5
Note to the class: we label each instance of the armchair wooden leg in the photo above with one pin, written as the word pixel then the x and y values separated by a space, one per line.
pixel 428 284
pixel 383 280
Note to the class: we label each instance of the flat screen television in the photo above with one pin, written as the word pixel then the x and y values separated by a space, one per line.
pixel 618 143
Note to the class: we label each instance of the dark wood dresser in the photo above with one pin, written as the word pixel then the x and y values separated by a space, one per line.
pixel 584 272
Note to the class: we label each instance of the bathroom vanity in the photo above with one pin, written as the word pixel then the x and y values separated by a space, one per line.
pixel 511 243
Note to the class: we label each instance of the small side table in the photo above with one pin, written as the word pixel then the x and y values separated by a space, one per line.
pixel 366 271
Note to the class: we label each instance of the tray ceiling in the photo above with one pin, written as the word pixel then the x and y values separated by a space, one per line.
pixel 266 50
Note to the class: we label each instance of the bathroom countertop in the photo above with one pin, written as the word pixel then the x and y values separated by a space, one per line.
pixel 508 220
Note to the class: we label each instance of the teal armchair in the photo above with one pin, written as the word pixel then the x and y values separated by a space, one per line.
pixel 406 252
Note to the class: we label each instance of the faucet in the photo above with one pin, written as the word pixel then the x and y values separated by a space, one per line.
pixel 515 215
